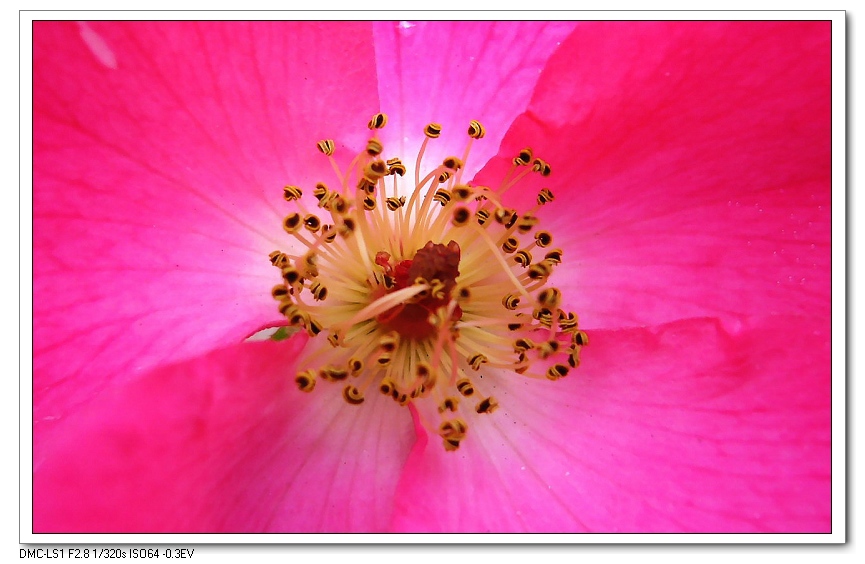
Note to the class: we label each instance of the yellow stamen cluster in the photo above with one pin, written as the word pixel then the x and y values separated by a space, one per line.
pixel 415 293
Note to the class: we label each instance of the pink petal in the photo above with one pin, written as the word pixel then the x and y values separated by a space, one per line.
pixel 681 428
pixel 223 443
pixel 691 165
pixel 160 152
pixel 455 72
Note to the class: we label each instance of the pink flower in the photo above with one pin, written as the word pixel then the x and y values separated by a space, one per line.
pixel 691 169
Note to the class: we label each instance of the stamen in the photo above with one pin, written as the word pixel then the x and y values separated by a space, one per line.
pixel 476 130
pixel 326 146
pixel 378 121
pixel 432 130
pixel 426 297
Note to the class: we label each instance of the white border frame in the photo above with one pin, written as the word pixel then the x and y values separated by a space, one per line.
pixel 839 306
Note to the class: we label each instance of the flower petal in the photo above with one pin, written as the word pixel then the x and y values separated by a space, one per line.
pixel 691 166
pixel 455 72
pixel 681 428
pixel 160 152
pixel 223 443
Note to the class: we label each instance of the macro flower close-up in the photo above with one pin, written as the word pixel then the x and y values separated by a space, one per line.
pixel 365 277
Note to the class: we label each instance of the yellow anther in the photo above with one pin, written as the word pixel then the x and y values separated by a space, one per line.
pixel 395 166
pixel 389 342
pixel 387 386
pixel 424 292
pixel 526 222
pixel 541 166
pixel 373 147
pixel 547 349
pixel 449 404
pixel 338 204
pixel 288 309
pixel 451 444
pixel 544 316
pixel 326 146
pixel 313 327
pixel 580 338
pixel 279 292
pixel 482 216
pixel 329 234
pixel 278 259
pixel 523 258
pixel 554 256
pixel 320 192
pixel 378 121
pixel 312 223
pixel 292 223
pixel 291 275
pixel 333 373
pixel 355 366
pixel 432 130
pixel 540 270
pixel 550 298
pixel 366 186
pixel 543 238
pixel 510 245
pixel 347 227
pixel 375 170
pixel 567 321
pixel 511 302
pixel 310 259
pixel 523 344
pixel 291 193
pixel 487 405
pixel 476 360
pixel 461 192
pixel 319 292
pixel 461 216
pixel 453 429
pixel 297 317
pixel 464 386
pixel 305 380
pixel 476 130
pixel 368 203
pixel 505 216
pixel 443 177
pixel 333 339
pixel 394 203
pixel 424 371
pixel 524 158
pixel 352 395
pixel 442 196
pixel 384 360
pixel 327 200
pixel 437 289
pixel 453 163
pixel 557 371
pixel 545 196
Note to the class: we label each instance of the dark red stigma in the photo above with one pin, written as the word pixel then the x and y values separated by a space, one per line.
pixel 433 261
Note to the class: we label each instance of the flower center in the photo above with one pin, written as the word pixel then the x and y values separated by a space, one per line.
pixel 434 264
pixel 418 297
